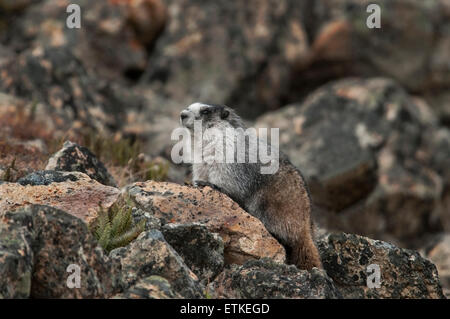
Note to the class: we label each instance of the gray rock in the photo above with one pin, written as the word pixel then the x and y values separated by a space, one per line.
pixel 403 273
pixel 38 243
pixel 201 250
pixel 151 221
pixel 73 157
pixel 46 178
pixel 266 279
pixel 150 254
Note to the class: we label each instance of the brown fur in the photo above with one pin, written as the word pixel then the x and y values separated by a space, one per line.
pixel 286 213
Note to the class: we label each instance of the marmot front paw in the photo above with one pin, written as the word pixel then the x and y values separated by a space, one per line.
pixel 201 184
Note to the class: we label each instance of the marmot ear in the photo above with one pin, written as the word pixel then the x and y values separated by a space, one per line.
pixel 224 114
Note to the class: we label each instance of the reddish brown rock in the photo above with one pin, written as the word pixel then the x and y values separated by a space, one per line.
pixel 244 236
pixel 77 194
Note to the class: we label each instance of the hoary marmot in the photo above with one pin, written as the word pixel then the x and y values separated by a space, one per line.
pixel 280 200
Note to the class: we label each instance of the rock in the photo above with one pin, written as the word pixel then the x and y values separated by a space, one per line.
pixel 263 41
pixel 403 273
pixel 46 178
pixel 201 250
pixel 75 193
pixel 411 46
pixel 113 37
pixel 243 235
pixel 266 279
pixel 151 222
pixel 438 252
pixel 357 141
pixel 69 92
pixel 150 254
pixel 73 157
pixel 38 244
pixel 153 287
pixel 15 5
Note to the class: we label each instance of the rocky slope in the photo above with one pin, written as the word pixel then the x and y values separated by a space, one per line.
pixel 196 243
pixel 363 113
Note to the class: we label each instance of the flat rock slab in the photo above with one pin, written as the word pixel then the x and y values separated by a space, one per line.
pixel 78 195
pixel 244 236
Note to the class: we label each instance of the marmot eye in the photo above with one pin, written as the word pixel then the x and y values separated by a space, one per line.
pixel 205 112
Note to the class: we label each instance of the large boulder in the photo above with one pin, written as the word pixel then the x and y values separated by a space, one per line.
pixel 73 192
pixel 351 261
pixel 37 246
pixel 149 255
pixel 266 279
pixel 244 236
pixel 361 146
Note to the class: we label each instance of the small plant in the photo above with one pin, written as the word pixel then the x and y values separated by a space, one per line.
pixel 156 170
pixel 114 228
pixel 8 176
pixel 118 151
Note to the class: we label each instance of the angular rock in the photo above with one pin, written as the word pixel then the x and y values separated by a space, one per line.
pixel 243 235
pixel 201 250
pixel 153 287
pixel 38 244
pixel 112 39
pixel 73 157
pixel 266 279
pixel 77 194
pixel 403 273
pixel 150 254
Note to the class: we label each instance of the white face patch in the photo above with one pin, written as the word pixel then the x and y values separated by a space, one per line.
pixel 196 107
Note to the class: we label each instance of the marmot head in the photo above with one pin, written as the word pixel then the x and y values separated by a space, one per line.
pixel 210 115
